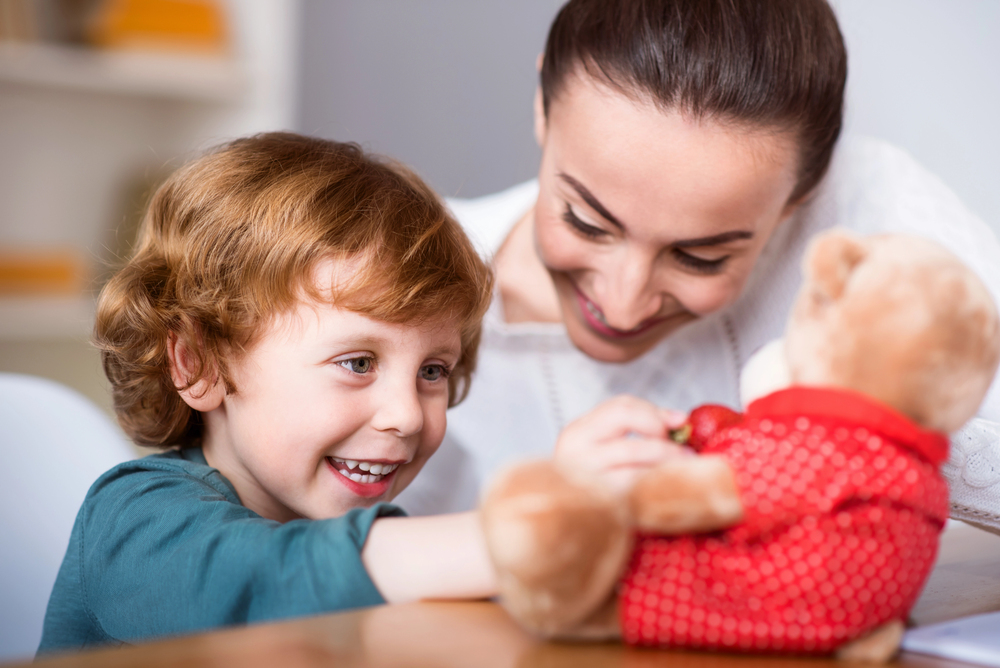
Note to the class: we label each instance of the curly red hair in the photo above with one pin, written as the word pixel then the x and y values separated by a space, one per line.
pixel 231 239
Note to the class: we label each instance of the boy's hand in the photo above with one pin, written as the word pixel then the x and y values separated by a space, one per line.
pixel 613 445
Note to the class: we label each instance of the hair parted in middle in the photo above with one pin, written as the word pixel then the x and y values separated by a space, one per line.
pixel 771 64
pixel 232 239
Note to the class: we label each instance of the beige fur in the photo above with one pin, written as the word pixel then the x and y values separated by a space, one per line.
pixel 906 324
pixel 558 547
pixel 686 495
pixel 897 318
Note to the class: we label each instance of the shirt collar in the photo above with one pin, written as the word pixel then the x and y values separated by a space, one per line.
pixel 856 408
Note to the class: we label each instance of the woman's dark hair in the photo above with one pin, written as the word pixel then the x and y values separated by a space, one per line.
pixel 766 63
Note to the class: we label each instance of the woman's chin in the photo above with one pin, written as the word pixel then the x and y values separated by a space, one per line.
pixel 618 350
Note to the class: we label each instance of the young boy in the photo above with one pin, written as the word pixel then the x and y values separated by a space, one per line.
pixel 294 323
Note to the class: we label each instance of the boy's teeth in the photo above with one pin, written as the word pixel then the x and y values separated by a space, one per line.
pixel 375 469
pixel 357 477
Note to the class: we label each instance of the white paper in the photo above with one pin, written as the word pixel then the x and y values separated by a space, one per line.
pixel 973 639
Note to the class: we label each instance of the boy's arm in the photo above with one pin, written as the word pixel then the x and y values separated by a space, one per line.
pixel 443 556
pixel 159 551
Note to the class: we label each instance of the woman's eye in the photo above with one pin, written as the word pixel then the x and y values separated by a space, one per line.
pixel 359 365
pixel 699 264
pixel 583 228
pixel 433 372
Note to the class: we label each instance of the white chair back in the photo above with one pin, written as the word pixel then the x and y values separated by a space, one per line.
pixel 54 444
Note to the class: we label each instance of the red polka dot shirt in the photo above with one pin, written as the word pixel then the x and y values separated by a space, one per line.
pixel 843 507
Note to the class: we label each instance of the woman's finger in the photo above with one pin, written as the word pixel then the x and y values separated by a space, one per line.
pixel 622 416
pixel 673 419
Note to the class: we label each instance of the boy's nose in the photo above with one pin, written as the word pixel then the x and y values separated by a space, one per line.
pixel 399 411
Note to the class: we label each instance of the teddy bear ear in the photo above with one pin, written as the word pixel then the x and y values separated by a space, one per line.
pixel 830 259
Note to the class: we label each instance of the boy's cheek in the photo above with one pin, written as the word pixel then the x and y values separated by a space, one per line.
pixel 438 428
pixel 430 442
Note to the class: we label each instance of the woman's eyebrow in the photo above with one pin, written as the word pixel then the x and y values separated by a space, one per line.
pixel 595 204
pixel 591 201
pixel 714 240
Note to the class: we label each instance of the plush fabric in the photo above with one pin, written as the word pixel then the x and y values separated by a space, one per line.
pixel 843 507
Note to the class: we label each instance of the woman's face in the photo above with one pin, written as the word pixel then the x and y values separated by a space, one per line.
pixel 646 219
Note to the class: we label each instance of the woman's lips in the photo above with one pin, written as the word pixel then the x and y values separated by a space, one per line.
pixel 594 317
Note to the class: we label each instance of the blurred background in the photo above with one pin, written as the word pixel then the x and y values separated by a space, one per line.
pixel 99 99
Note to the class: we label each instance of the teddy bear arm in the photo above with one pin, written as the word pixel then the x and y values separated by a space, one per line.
pixel 688 495
pixel 602 625
pixel 558 548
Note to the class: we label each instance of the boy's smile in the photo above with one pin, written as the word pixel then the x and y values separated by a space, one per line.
pixel 367 479
pixel 332 410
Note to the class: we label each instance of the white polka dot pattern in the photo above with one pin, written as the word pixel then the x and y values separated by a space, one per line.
pixel 840 532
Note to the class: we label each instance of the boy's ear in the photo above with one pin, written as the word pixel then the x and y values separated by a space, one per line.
pixel 207 393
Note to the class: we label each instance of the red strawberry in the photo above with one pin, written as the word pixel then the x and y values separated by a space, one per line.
pixel 703 423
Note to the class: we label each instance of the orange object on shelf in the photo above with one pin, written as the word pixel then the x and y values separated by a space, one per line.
pixel 41 272
pixel 17 20
pixel 176 25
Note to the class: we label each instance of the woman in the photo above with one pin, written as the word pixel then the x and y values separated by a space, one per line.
pixel 687 157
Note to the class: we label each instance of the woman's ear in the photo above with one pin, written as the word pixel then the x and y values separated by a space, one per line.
pixel 204 395
pixel 539 117
pixel 539 105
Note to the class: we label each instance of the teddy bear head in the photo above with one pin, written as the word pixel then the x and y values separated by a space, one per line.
pixel 898 318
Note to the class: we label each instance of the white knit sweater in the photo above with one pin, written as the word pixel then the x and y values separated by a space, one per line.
pixel 531 380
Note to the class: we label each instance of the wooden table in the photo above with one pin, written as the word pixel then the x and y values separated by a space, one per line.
pixel 966 580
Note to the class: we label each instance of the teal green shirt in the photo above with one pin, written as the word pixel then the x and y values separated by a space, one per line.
pixel 162 546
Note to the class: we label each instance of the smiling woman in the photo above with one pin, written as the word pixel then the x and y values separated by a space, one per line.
pixel 629 270
pixel 688 155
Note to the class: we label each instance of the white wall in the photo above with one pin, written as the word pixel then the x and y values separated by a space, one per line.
pixel 925 74
pixel 446 85
pixel 443 85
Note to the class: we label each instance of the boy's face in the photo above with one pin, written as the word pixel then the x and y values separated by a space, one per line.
pixel 333 411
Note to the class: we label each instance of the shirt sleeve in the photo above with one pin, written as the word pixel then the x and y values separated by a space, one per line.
pixel 164 553
pixel 973 474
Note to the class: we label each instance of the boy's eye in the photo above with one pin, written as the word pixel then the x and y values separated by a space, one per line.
pixel 360 365
pixel 583 228
pixel 433 372
pixel 699 264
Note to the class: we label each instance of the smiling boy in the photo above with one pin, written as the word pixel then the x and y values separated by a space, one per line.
pixel 292 327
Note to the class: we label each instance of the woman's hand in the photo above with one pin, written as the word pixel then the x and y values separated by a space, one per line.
pixel 614 444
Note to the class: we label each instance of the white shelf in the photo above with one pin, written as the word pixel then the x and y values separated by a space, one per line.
pixel 143 74
pixel 46 318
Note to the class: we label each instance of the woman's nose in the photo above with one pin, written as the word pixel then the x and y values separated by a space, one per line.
pixel 631 296
pixel 399 410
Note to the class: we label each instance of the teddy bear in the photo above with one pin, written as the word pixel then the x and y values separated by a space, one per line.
pixel 806 524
